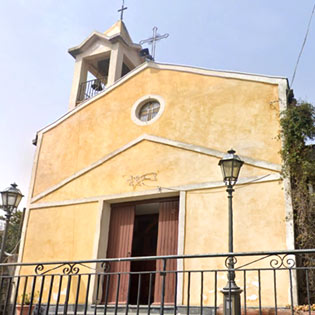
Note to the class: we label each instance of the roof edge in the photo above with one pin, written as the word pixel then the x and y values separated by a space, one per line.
pixel 171 67
pixel 194 68
pixel 74 51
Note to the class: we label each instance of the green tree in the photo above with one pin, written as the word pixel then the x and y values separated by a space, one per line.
pixel 298 127
pixel 13 237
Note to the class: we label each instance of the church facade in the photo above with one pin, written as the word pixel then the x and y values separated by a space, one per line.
pixel 132 168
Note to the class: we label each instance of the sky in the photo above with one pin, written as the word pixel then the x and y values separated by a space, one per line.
pixel 251 36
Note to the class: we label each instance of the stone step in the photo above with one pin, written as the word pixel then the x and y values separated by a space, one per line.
pixel 132 310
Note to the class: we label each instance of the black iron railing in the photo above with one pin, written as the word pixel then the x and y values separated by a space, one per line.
pixel 90 88
pixel 271 282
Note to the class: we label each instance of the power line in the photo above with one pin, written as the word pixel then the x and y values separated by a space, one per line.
pixel 302 48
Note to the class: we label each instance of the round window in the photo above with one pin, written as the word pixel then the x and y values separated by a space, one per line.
pixel 149 110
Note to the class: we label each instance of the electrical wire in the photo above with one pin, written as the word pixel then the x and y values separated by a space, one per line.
pixel 303 45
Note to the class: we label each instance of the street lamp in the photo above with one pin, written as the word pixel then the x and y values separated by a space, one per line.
pixel 230 166
pixel 11 198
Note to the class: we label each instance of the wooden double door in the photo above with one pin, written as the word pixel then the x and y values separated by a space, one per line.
pixel 142 229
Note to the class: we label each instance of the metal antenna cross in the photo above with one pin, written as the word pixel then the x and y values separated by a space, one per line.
pixel 152 40
pixel 123 8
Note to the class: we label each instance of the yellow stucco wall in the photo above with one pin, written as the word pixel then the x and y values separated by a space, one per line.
pixel 55 234
pixel 59 234
pixel 202 110
pixel 255 213
pixel 259 225
pixel 173 167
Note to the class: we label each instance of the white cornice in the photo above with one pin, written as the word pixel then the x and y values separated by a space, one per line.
pixel 158 192
pixel 169 142
pixel 180 68
pixel 74 51
pixel 221 73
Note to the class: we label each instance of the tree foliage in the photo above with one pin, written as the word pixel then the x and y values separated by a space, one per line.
pixel 298 127
pixel 13 237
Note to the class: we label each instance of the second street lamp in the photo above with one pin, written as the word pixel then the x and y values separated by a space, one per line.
pixel 11 198
pixel 230 166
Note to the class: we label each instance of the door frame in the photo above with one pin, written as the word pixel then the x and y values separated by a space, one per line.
pixel 102 231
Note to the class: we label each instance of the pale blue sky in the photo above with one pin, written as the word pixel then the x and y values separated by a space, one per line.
pixel 255 36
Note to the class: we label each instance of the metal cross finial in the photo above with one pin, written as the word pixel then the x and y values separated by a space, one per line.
pixel 123 8
pixel 152 40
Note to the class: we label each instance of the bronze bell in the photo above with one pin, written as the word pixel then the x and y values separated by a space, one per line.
pixel 97 85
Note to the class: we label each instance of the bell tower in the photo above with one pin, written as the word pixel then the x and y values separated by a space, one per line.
pixel 101 60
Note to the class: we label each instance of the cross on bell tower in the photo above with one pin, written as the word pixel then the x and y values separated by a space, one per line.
pixel 152 40
pixel 123 8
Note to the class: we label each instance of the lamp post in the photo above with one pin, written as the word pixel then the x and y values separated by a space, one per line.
pixel 230 166
pixel 11 198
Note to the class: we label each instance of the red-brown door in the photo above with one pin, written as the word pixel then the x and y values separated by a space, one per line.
pixel 120 245
pixel 167 245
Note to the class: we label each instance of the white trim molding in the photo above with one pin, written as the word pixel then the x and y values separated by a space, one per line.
pixel 29 199
pixel 173 143
pixel 179 68
pixel 181 245
pixel 157 192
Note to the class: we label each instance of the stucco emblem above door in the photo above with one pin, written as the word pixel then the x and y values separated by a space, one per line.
pixel 140 180
pixel 147 109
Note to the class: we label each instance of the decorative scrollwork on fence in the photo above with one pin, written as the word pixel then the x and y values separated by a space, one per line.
pixel 69 269
pixel 230 261
pixel 39 268
pixel 290 261
pixel 287 261
pixel 105 266
pixel 275 262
